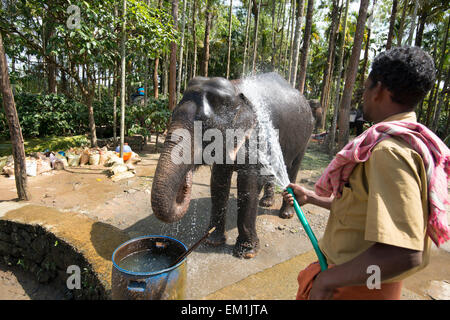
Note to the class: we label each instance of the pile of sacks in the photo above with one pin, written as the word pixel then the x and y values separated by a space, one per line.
pixel 39 162
pixel 117 168
pixel 36 164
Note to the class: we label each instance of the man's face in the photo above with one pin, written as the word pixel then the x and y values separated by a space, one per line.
pixel 369 107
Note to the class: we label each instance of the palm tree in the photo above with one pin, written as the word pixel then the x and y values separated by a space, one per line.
pixel 352 69
pixel 173 61
pixel 391 24
pixel 305 48
pixel 15 131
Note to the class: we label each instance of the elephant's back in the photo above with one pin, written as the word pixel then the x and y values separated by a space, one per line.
pixel 288 108
pixel 273 92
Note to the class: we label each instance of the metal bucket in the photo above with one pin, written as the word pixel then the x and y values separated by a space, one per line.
pixel 167 284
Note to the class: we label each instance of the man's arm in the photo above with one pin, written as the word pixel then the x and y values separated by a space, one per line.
pixel 391 260
pixel 305 196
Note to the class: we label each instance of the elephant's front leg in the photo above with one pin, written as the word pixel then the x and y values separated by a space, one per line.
pixel 220 191
pixel 249 187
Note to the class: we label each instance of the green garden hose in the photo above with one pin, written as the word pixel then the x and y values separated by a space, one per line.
pixel 309 232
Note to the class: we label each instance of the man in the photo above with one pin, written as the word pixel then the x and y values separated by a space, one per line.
pixel 359 122
pixel 379 210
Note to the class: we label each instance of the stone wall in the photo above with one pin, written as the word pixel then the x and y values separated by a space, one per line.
pixel 47 258
pixel 46 241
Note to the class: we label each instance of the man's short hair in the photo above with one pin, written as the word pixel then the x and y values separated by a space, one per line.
pixel 407 72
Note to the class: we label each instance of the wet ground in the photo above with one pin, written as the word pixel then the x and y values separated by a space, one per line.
pixel 126 205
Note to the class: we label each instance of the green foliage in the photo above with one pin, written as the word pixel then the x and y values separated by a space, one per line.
pixel 147 119
pixel 42 115
pixel 41 144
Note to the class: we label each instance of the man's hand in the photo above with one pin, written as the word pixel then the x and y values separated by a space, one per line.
pixel 321 289
pixel 301 194
pixel 391 260
pixel 305 196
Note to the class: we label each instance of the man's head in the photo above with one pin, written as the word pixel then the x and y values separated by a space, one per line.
pixel 400 78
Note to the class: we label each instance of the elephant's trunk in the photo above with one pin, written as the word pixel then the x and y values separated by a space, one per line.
pixel 172 184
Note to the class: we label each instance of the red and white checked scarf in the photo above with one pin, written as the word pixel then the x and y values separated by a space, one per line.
pixel 435 155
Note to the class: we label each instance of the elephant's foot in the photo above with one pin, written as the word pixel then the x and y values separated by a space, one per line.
pixel 246 249
pixel 267 201
pixel 216 239
pixel 286 213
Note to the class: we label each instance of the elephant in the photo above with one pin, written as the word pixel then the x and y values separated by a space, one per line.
pixel 219 104
pixel 317 112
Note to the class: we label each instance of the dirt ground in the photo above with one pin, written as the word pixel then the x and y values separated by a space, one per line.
pixel 126 205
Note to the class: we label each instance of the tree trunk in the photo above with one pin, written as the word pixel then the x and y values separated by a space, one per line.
pixel 432 102
pixel 402 23
pixel 306 40
pixel 155 69
pixel 352 70
pixel 247 31
pixel 123 79
pixel 288 33
pixel 230 24
pixel 392 24
pixel 363 68
pixel 291 41
pixel 51 74
pixel 194 39
pixel 115 95
pixel 447 125
pixel 413 23
pixel 328 72
pixel 88 98
pixel 274 31
pixel 173 61
pixel 280 56
pixel 444 92
pixel 332 135
pixel 18 149
pixel 419 35
pixel 186 59
pixel 64 83
pixel 255 38
pixel 205 62
pixel 180 63
pixel 166 75
pixel 298 31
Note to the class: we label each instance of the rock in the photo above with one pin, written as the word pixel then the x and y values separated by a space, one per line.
pixel 439 290
pixel 5 236
pixel 5 248
pixel 117 168
pixel 122 175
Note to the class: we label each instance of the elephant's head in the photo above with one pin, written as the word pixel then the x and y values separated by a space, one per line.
pixel 207 103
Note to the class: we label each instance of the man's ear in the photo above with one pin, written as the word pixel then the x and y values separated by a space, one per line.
pixel 380 92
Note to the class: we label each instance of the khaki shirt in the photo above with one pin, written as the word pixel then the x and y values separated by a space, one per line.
pixel 385 200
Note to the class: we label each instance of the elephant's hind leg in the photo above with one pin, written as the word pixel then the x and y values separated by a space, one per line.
pixel 287 211
pixel 269 196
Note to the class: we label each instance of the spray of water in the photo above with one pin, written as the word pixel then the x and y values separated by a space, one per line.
pixel 270 156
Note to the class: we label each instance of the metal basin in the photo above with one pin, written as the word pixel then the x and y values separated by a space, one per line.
pixel 166 284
